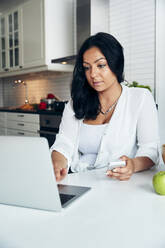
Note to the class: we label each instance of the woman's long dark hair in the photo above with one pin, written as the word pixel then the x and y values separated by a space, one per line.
pixel 85 99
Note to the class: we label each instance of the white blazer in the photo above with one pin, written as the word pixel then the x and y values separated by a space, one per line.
pixel 132 131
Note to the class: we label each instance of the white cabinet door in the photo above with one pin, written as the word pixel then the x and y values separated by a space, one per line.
pixel 48 31
pixel 3 131
pixel 13 132
pixel 3 43
pixel 10 41
pixel 23 126
pixel 33 34
pixel 2 119
pixel 3 128
pixel 14 49
pixel 23 117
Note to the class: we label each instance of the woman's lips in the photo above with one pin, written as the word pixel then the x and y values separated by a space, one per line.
pixel 97 83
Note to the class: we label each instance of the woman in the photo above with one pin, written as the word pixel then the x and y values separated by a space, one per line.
pixel 105 121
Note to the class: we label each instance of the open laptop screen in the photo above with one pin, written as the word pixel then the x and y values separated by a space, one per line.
pixel 27 177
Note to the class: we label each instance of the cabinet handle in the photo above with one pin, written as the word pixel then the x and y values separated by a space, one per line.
pixel 20 115
pixel 21 133
pixel 20 124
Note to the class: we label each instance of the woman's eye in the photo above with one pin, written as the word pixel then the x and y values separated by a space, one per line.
pixel 101 65
pixel 86 68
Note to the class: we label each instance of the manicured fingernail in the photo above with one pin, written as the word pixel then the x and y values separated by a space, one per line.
pixel 114 170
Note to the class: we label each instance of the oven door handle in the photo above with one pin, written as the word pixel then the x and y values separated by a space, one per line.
pixel 46 132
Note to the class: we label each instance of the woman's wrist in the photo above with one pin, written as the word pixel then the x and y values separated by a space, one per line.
pixel 59 161
pixel 142 163
pixel 133 165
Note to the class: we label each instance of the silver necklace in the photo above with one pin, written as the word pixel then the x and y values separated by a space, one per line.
pixel 108 110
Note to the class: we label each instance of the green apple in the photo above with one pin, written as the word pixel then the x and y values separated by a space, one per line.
pixel 159 182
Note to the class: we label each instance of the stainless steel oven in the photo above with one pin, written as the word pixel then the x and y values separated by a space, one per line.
pixel 49 126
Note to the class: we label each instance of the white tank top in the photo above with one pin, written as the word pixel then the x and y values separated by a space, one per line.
pixel 89 142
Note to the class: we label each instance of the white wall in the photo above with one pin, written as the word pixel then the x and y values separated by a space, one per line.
pixel 132 22
pixel 160 65
pixel 140 27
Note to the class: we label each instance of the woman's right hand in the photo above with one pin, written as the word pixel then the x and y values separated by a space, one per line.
pixel 60 173
pixel 59 165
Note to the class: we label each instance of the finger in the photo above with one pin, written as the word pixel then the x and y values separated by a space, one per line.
pixel 62 177
pixel 59 174
pixel 121 170
pixel 124 179
pixel 108 172
pixel 63 171
pixel 116 175
pixel 125 176
pixel 113 174
pixel 121 175
pixel 124 158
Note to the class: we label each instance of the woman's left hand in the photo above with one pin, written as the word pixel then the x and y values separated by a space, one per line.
pixel 122 173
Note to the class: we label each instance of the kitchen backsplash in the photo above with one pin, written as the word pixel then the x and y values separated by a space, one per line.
pixel 38 86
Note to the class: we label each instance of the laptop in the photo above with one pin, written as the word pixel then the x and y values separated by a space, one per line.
pixel 27 177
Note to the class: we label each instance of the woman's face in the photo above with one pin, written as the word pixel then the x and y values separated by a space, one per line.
pixel 97 71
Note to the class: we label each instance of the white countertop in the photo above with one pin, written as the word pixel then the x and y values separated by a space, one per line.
pixel 127 214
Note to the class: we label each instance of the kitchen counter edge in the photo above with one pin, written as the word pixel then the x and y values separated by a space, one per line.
pixel 44 112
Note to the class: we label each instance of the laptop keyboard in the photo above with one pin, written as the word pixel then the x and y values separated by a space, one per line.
pixel 65 198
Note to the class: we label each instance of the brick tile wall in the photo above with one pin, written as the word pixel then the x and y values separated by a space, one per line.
pixel 38 86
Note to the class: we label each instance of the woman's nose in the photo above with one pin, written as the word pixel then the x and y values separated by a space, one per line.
pixel 93 72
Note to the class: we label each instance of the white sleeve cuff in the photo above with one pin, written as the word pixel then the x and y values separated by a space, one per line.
pixel 151 150
pixel 64 146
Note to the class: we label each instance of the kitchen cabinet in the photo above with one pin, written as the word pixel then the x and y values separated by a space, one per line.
pixel 48 33
pixel 22 124
pixel 10 41
pixel 3 128
pixel 34 34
